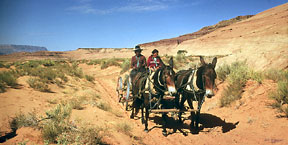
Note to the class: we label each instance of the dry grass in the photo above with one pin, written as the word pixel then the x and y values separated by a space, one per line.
pixel 124 127
pixel 237 74
pixel 38 85
pixel 281 94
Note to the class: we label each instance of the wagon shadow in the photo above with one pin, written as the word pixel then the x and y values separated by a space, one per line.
pixel 207 123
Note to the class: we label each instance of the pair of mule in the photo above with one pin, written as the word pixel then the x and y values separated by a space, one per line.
pixel 166 81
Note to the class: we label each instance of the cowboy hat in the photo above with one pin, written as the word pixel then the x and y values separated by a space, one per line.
pixel 137 48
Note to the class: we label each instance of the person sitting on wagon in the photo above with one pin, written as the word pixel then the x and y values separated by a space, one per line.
pixel 154 61
pixel 138 62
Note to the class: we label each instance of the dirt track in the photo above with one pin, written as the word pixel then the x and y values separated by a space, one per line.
pixel 248 121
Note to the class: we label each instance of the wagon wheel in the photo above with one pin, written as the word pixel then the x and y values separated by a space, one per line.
pixel 127 94
pixel 120 89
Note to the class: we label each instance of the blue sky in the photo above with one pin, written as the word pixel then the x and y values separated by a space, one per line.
pixel 62 25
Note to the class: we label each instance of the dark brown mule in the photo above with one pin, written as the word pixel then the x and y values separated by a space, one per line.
pixel 205 82
pixel 163 82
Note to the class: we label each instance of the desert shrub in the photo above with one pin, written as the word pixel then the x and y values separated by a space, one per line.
pixel 89 78
pixel 2 87
pixel 109 62
pixel 237 78
pixel 7 78
pixel 256 76
pixel 275 75
pixel 94 62
pixel 56 123
pixel 180 58
pixel 104 106
pixel 223 72
pixel 124 127
pixel 84 134
pixel 5 64
pixel 77 102
pixel 181 52
pixel 125 66
pixel 38 85
pixel 48 63
pixel 22 120
pixel 231 93
pixel 281 94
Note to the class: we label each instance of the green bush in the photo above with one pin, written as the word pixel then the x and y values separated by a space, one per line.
pixel 104 106
pixel 89 78
pixel 94 62
pixel 237 75
pixel 125 66
pixel 56 123
pixel 281 94
pixel 109 62
pixel 83 135
pixel 22 120
pixel 124 127
pixel 256 76
pixel 77 102
pixel 223 72
pixel 275 75
pixel 4 64
pixel 48 63
pixel 38 85
pixel 7 78
pixel 231 93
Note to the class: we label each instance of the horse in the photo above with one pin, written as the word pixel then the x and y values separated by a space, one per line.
pixel 163 84
pixel 195 85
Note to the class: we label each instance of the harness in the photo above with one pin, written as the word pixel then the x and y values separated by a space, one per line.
pixel 191 87
pixel 160 89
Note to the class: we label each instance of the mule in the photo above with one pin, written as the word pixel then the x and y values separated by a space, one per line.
pixel 195 85
pixel 163 83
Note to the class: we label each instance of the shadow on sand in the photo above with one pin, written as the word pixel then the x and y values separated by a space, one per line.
pixel 7 136
pixel 207 122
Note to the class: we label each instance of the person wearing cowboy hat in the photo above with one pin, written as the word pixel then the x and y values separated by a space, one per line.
pixel 138 62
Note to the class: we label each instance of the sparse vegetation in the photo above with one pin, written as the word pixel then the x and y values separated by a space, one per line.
pixel 4 65
pixel 125 66
pixel 84 134
pixel 281 94
pixel 104 106
pixel 223 72
pixel 275 75
pixel 89 78
pixel 38 84
pixel 77 102
pixel 57 122
pixel 7 78
pixel 124 127
pixel 56 127
pixel 237 74
pixel 22 120
pixel 109 62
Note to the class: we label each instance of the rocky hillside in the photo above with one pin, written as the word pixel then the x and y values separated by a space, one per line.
pixel 8 49
pixel 261 40
pixel 205 30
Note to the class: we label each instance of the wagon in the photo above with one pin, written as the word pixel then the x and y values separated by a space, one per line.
pixel 123 91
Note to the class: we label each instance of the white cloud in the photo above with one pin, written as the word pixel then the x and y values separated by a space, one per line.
pixel 92 7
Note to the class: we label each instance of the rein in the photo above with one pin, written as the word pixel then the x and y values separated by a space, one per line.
pixel 158 82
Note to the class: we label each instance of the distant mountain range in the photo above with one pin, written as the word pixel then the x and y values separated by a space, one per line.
pixel 8 49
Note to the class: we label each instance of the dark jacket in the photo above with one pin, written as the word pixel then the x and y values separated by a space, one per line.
pixel 142 62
